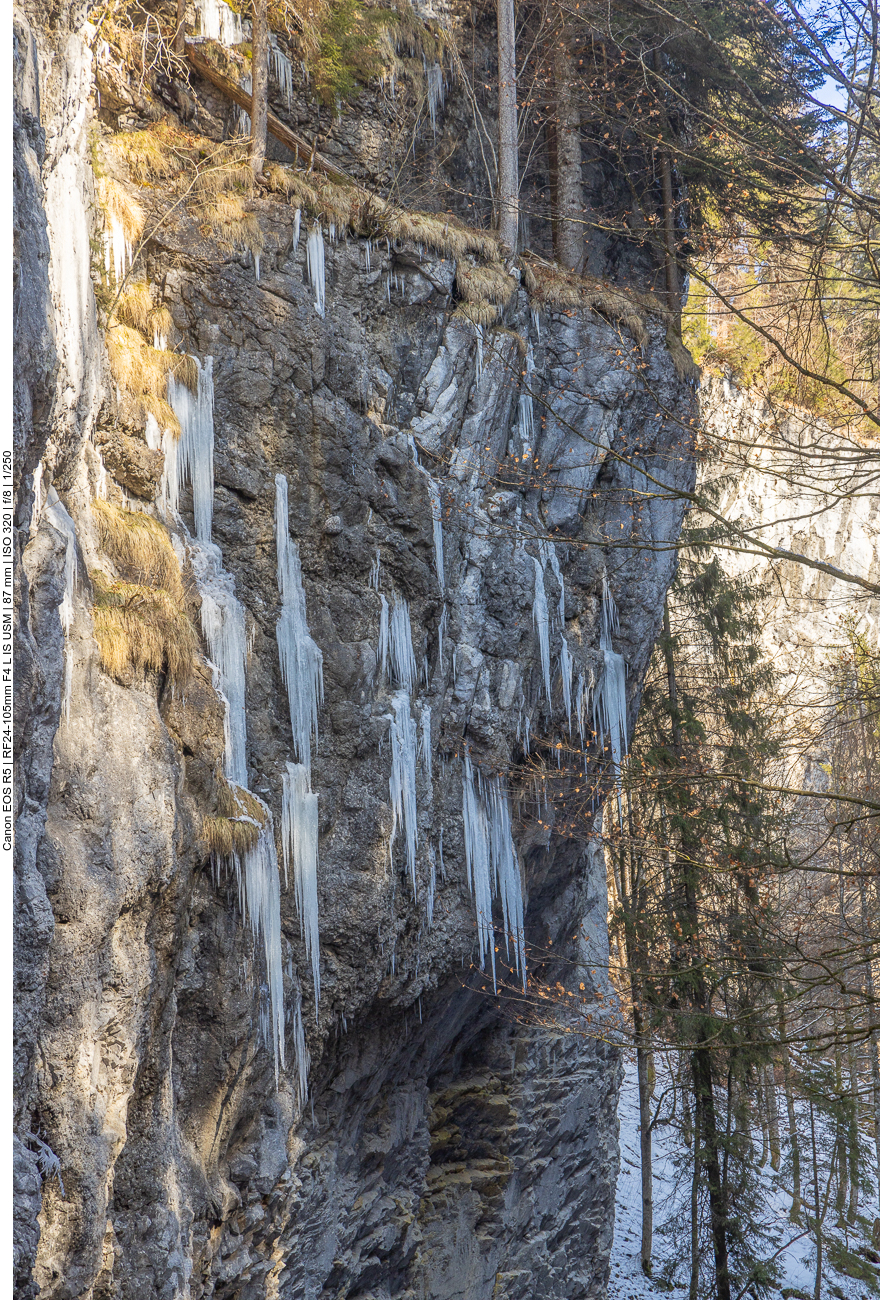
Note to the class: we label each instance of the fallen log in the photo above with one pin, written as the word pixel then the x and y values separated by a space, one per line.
pixel 300 148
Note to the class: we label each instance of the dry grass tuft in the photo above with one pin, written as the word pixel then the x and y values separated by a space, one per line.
pixel 143 370
pixel 485 284
pixel 239 820
pixel 230 223
pixel 153 154
pixel 121 209
pixel 142 628
pixel 161 412
pixel 443 234
pixel 366 214
pixel 551 286
pixel 685 366
pixel 139 547
pixel 137 309
pixel 485 291
pixel 478 313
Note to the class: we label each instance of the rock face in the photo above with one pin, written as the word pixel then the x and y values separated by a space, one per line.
pixel 453 1143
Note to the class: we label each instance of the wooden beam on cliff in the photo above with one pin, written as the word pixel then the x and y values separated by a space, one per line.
pixel 300 148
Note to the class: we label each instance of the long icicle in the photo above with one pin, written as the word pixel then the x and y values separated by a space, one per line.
pixel 302 664
pixel 299 841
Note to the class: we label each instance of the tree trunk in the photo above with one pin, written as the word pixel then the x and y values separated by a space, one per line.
pixel 673 295
pixel 259 85
pixel 694 1286
pixel 180 29
pixel 772 1116
pixel 702 1069
pixel 852 1208
pixel 874 1040
pixel 645 1072
pixel 761 1100
pixel 793 1139
pixel 508 148
pixel 569 223
pixel 817 1289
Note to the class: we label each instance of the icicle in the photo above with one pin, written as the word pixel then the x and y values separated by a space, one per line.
pixel 218 22
pixel 536 321
pixel 425 723
pixel 117 249
pixel 441 631
pixel 436 93
pixel 302 1058
pixel 302 664
pixel 527 722
pixel 565 672
pixel 367 255
pixel 526 406
pixel 262 897
pixel 541 620
pixel 37 505
pixel 316 266
pixel 61 521
pixel 478 859
pixel 550 551
pixel 282 69
pixel 194 455
pixel 297 221
pixel 506 871
pixel 402 782
pixel 479 333
pixel 376 571
pixel 609 699
pixel 395 645
pixel 299 840
pixel 223 623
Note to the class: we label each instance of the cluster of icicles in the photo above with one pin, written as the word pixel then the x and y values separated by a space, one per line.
pixel 224 626
pixel 492 866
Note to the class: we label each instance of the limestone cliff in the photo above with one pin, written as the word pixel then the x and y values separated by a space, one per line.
pixel 450 1144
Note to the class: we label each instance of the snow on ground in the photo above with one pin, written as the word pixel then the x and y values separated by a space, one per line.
pixel 797 1258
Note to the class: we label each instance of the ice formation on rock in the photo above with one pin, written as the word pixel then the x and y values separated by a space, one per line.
pixel 609 698
pixel 492 865
pixel 316 266
pixel 395 645
pixel 193 458
pixel 302 664
pixel 218 22
pixel 281 68
pixel 117 249
pixel 223 623
pixel 299 841
pixel 436 92
pixel 526 406
pixel 541 620
pixel 402 782
pixel 260 898
pixel 61 521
